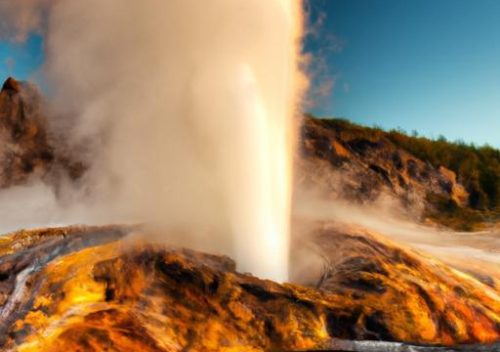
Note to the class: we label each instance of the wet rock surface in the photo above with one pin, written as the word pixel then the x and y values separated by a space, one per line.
pixel 91 289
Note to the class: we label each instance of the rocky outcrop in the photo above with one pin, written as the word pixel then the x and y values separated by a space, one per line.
pixel 90 289
pixel 342 162
pixel 457 192
pixel 28 151
pixel 400 294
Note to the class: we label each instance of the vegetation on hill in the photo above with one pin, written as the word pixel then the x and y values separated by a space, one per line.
pixel 477 168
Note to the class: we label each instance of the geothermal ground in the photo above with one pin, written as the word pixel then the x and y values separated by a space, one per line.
pixel 364 287
pixel 106 288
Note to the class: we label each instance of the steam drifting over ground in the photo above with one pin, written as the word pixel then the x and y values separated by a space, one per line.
pixel 185 112
pixel 470 251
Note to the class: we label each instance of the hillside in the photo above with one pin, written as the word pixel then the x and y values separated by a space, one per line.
pixel 448 183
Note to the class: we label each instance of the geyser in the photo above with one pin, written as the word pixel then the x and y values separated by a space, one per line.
pixel 185 112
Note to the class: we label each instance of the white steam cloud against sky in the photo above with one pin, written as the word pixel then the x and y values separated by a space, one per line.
pixel 185 110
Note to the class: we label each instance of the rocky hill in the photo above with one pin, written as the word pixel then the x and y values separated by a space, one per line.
pixel 28 151
pixel 432 180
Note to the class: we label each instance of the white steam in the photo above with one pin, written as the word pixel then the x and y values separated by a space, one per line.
pixel 185 109
pixel 384 217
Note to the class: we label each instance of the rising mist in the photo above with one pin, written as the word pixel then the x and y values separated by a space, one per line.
pixel 184 111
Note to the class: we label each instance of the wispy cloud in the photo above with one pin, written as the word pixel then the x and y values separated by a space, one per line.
pixel 319 68
pixel 19 18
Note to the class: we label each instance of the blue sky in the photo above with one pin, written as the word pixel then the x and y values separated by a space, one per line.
pixel 426 65
pixel 21 60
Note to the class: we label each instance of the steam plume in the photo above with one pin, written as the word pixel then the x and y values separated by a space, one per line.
pixel 185 110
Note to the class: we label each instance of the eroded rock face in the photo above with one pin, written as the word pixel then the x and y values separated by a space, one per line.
pixel 342 164
pixel 92 289
pixel 145 297
pixel 402 295
pixel 27 150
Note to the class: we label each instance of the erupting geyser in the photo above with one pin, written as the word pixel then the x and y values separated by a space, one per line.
pixel 186 110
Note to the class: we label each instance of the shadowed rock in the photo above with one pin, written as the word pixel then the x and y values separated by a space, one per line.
pixel 28 150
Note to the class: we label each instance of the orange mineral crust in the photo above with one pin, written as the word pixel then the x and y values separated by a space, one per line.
pixel 95 289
